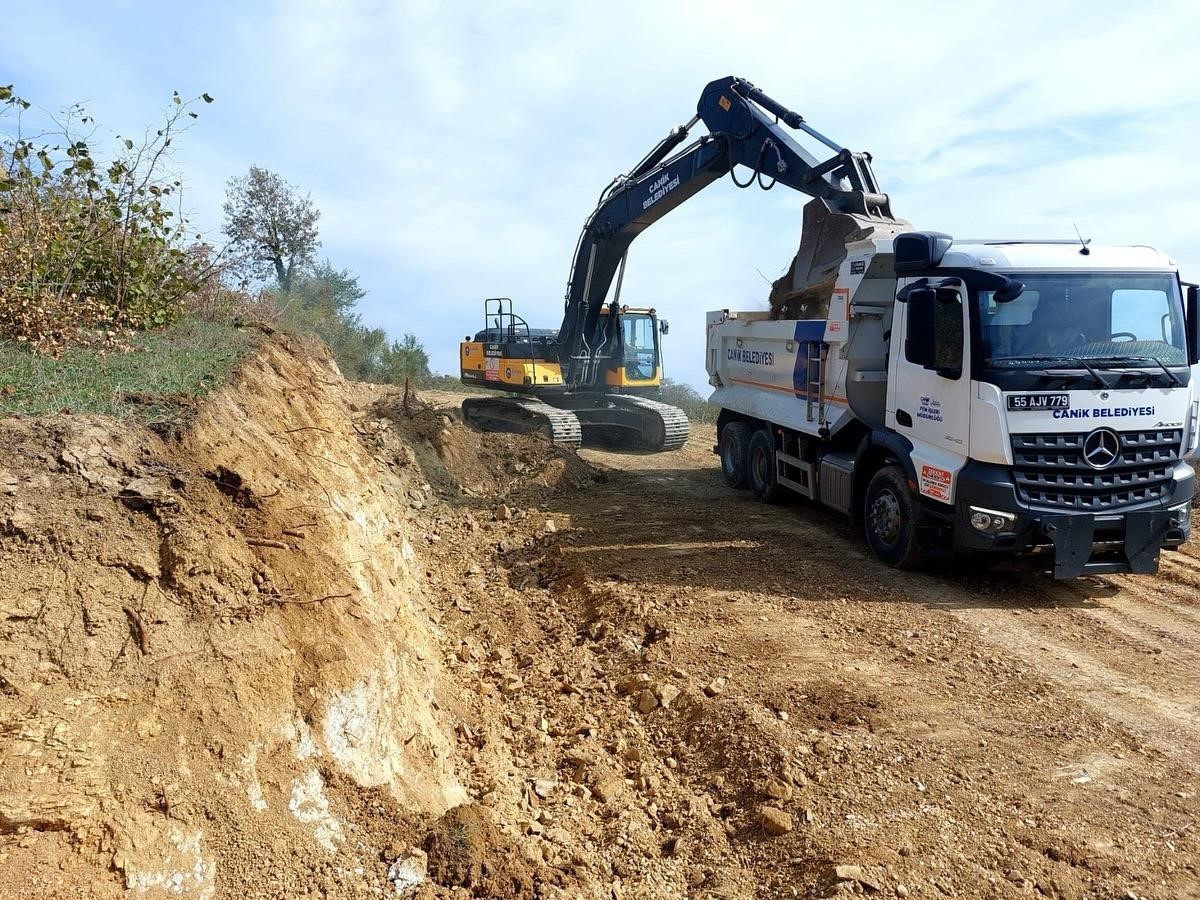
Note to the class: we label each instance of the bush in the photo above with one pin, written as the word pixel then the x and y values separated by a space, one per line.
pixel 688 399
pixel 88 248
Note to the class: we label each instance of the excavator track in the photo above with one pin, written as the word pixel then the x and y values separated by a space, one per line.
pixel 667 426
pixel 625 422
pixel 523 415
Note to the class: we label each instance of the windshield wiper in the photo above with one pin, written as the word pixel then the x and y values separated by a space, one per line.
pixel 1141 359
pixel 1041 357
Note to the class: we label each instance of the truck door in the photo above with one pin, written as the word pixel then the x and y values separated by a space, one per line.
pixel 929 383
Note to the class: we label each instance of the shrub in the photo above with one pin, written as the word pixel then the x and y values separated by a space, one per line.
pixel 88 248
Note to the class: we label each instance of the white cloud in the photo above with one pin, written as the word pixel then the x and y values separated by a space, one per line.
pixel 455 150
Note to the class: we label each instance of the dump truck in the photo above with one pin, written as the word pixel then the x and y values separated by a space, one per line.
pixel 1031 401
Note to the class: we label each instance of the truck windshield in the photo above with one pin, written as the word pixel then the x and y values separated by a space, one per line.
pixel 1106 319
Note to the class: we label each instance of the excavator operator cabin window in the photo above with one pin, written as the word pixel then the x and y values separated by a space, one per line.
pixel 639 336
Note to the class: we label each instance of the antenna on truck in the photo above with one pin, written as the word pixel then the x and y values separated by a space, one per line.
pixel 1083 242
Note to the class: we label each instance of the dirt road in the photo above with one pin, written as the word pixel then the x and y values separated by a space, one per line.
pixel 966 734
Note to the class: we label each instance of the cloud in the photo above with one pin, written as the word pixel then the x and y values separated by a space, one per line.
pixel 455 150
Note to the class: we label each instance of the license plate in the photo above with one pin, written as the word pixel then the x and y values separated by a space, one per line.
pixel 1039 401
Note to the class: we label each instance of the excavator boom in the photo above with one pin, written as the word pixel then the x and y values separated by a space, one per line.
pixel 746 127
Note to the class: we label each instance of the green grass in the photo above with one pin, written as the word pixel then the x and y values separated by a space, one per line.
pixel 157 382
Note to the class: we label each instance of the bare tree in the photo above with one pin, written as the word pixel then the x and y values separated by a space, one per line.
pixel 270 226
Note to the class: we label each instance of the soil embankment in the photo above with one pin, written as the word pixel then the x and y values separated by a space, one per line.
pixel 333 644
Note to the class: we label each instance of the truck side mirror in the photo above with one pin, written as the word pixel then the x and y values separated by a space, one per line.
pixel 663 326
pixel 1193 324
pixel 935 330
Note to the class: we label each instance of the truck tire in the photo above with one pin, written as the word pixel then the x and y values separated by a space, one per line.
pixel 761 467
pixel 735 450
pixel 890 519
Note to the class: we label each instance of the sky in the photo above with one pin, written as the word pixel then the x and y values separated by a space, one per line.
pixel 454 149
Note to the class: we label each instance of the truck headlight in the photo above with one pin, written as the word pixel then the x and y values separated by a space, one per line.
pixel 991 521
pixel 1181 515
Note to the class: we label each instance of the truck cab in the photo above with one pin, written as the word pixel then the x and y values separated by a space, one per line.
pixel 999 398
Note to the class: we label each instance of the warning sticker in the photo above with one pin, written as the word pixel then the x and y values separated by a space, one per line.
pixel 936 483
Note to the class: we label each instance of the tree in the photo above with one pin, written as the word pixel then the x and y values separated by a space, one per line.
pixel 406 359
pixel 271 226
pixel 334 292
pixel 322 301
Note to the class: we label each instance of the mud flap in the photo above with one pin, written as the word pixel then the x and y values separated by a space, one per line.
pixel 1074 536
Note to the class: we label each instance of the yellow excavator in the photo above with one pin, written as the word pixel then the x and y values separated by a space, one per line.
pixel 606 406
pixel 587 381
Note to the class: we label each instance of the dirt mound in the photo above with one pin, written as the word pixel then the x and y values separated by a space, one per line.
pixel 210 646
pixel 470 463
pixel 464 849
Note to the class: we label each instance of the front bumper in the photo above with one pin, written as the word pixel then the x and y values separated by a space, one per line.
pixel 1071 542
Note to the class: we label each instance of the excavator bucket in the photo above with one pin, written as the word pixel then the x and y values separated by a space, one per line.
pixel 805 289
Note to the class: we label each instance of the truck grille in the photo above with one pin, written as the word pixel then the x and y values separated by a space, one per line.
pixel 1049 470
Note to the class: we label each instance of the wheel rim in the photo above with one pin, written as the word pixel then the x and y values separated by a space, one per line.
pixel 727 456
pixel 885 517
pixel 759 462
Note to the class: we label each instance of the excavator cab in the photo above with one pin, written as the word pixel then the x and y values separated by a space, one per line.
pixel 636 360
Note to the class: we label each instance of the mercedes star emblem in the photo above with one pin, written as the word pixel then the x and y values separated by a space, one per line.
pixel 1101 448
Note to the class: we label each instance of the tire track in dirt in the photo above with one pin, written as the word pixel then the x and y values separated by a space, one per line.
pixel 1095 639
pixel 1072 705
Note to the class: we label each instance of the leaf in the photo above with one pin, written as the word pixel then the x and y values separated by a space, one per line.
pixel 206 98
pixel 128 144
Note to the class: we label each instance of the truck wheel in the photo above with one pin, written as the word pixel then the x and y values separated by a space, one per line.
pixel 762 468
pixel 735 449
pixel 889 516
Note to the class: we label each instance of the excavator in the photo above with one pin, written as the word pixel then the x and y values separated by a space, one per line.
pixel 587 382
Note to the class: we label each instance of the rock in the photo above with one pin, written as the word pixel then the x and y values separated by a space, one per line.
pixel 855 873
pixel 408 872
pixel 714 687
pixel 511 684
pixel 647 702
pixel 901 891
pixel 504 513
pixel 632 684
pixel 666 694
pixel 777 789
pixel 774 821
pixel 550 526
pixel 607 786
pixel 544 787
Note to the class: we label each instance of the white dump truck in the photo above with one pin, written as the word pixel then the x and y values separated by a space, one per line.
pixel 1000 398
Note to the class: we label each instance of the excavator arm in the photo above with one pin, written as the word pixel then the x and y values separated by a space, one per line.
pixel 746 128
